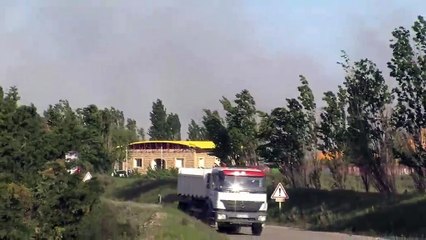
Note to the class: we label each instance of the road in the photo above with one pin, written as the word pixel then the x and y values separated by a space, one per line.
pixel 276 232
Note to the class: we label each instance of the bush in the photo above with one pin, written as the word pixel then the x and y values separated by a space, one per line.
pixel 158 174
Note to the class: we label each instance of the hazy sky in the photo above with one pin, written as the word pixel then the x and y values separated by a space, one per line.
pixel 127 54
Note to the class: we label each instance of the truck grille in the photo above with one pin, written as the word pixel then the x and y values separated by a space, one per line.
pixel 242 206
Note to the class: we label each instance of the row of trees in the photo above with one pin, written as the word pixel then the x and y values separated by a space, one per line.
pixel 364 123
pixel 38 197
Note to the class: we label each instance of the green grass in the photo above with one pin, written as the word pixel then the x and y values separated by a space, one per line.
pixel 325 210
pixel 129 210
pixel 403 183
pixel 180 226
pixel 117 220
pixel 352 212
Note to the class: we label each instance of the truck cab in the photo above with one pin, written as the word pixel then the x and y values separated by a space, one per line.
pixel 238 198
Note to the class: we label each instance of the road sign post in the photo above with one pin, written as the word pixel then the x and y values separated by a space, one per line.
pixel 279 194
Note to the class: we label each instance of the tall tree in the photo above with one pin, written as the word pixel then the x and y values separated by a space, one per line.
pixel 174 126
pixel 242 126
pixel 332 133
pixel 283 142
pixel 96 140
pixel 195 131
pixel 408 67
pixel 65 128
pixel 159 129
pixel 217 132
pixel 368 96
pixel 141 133
pixel 132 129
pixel 307 100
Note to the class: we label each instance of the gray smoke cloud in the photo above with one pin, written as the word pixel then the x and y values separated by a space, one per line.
pixel 126 55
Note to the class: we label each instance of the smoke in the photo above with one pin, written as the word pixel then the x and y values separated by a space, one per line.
pixel 187 53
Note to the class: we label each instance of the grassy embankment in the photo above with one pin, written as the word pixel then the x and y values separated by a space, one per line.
pixel 352 210
pixel 128 210
pixel 326 210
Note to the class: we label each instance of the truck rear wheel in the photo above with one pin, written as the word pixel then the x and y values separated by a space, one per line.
pixel 256 229
pixel 183 206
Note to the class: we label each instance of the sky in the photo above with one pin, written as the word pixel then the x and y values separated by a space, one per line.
pixel 188 53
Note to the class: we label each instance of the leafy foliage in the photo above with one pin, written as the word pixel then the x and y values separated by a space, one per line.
pixel 196 132
pixel 39 198
pixel 217 132
pixel 283 140
pixel 408 67
pixel 332 132
pixel 367 96
pixel 163 126
pixel 242 127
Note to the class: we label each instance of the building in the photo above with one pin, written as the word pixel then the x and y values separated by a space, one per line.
pixel 168 154
pixel 71 156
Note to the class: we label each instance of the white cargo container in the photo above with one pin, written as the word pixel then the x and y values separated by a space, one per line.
pixel 227 197
pixel 192 182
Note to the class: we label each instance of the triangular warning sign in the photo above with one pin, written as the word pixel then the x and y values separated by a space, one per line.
pixel 279 192
pixel 87 177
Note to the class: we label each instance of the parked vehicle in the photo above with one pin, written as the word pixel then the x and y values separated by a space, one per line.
pixel 228 197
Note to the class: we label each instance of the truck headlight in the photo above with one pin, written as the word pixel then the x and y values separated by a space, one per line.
pixel 261 218
pixel 221 216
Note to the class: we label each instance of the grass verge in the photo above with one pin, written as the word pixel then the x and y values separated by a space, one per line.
pixel 352 212
pixel 129 210
pixel 325 210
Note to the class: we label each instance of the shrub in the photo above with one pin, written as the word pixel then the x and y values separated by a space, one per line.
pixel 158 174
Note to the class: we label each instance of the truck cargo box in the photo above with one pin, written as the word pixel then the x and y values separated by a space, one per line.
pixel 193 182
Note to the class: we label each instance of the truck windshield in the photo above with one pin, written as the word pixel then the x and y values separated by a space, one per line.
pixel 243 184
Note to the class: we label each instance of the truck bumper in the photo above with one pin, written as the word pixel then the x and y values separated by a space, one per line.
pixel 240 218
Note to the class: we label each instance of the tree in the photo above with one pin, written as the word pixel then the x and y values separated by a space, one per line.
pixel 62 201
pixel 408 67
pixel 368 96
pixel 174 126
pixel 283 142
pixel 96 140
pixel 196 132
pixel 38 198
pixel 242 126
pixel 307 100
pixel 159 129
pixel 65 128
pixel 141 133
pixel 132 129
pixel 332 133
pixel 217 132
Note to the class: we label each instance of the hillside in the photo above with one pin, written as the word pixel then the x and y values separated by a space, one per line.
pixel 135 214
pixel 325 210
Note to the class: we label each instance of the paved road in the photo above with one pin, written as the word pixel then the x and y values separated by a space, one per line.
pixel 284 233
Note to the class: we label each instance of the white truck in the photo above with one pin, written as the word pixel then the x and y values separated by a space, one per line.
pixel 228 197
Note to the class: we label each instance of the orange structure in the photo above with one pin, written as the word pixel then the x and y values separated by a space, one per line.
pixel 327 156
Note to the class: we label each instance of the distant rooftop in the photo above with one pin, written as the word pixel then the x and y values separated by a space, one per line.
pixel 193 144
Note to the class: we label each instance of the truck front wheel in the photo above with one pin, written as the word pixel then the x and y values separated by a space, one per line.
pixel 256 229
